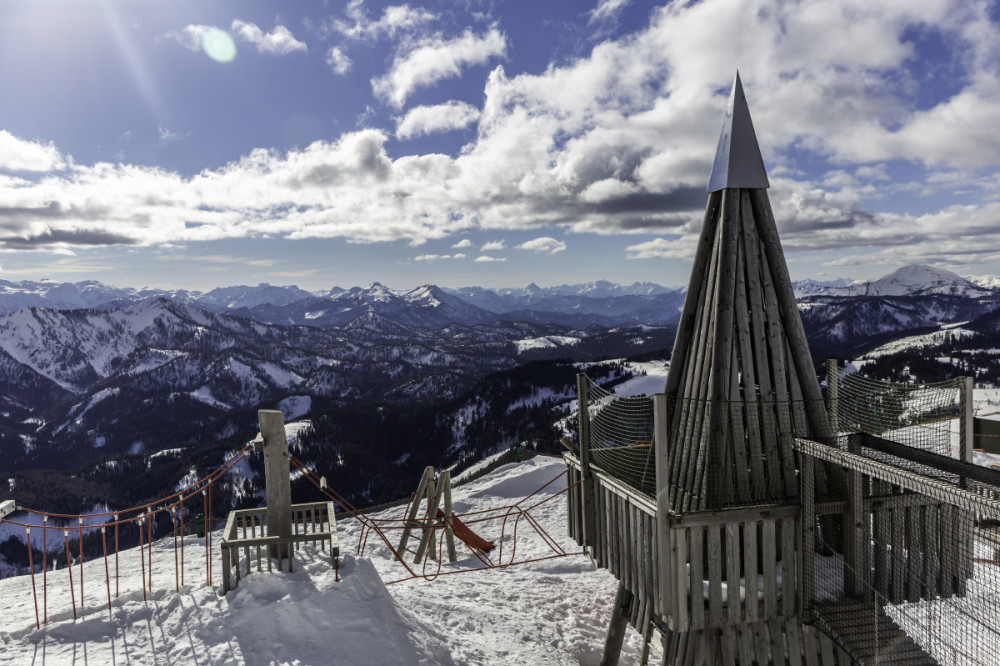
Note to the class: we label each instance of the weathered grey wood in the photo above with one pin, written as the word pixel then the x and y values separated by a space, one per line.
pixel 739 515
pixel 748 359
pixel 715 617
pixel 807 553
pixel 696 536
pixel 899 526
pixel 750 570
pixel 723 348
pixel 690 312
pixel 932 572
pixel 733 573
pixel 965 420
pixel 427 541
pixel 788 582
pixel 411 516
pixel 661 453
pixel 940 490
pixel 769 538
pixel 680 558
pixel 809 634
pixel 856 556
pixel 583 424
pixel 794 632
pixel 276 472
pixel 6 508
pixel 914 533
pixel 617 627
pixel 738 436
pixel 833 393
pixel 449 533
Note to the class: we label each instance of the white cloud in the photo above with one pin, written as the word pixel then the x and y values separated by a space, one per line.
pixel 619 140
pixel 492 246
pixel 465 242
pixel 662 248
pixel 435 257
pixel 543 244
pixel 394 20
pixel 338 60
pixel 606 10
pixel 190 36
pixel 422 120
pixel 433 59
pixel 279 41
pixel 20 155
pixel 484 258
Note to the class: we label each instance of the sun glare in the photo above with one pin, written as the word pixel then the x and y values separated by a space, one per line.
pixel 218 45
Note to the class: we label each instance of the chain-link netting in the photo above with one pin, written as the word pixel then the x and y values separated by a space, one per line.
pixel 621 436
pixel 912 575
pixel 917 415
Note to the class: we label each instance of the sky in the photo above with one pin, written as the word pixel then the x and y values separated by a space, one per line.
pixel 485 142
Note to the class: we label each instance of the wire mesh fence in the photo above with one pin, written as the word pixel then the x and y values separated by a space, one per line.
pixel 621 436
pixel 917 415
pixel 917 578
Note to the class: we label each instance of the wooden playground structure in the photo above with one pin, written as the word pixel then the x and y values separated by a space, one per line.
pixel 766 525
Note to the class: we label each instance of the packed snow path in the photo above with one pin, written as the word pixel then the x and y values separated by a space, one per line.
pixel 548 612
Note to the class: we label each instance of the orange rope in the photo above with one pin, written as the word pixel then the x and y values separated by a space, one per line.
pixel 45 571
pixel 107 573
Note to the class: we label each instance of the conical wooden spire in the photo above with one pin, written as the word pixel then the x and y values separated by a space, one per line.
pixel 741 383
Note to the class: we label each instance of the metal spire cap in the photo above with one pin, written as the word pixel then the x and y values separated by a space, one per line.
pixel 737 159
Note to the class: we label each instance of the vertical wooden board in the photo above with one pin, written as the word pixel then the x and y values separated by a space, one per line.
pixel 689 312
pixel 881 549
pixel 680 594
pixel 733 604
pixel 664 554
pixel 761 644
pixel 715 618
pixel 930 546
pixel 770 569
pixel 807 542
pixel 948 548
pixel 750 575
pixel 748 361
pixel 727 646
pixel 783 485
pixel 776 631
pixel 744 643
pixel 809 634
pixel 697 577
pixel 826 649
pixel 898 556
pixel 738 433
pixel 794 632
pixel 788 584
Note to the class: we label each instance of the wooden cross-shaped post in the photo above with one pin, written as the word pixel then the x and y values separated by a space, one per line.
pixel 434 492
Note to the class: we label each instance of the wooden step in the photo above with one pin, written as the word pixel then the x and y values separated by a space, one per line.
pixel 869 635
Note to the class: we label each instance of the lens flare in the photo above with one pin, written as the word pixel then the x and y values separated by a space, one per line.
pixel 218 45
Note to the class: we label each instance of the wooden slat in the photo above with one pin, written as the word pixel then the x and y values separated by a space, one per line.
pixel 696 535
pixel 770 570
pixel 750 575
pixel 794 633
pixel 733 573
pixel 899 525
pixel 715 617
pixel 679 540
pixel 788 585
pixel 914 533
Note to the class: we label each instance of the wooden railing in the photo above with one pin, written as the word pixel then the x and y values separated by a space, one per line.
pixel 246 531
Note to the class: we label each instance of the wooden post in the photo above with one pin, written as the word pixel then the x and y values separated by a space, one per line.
pixel 411 516
pixel 276 477
pixel 833 394
pixel 965 420
pixel 617 627
pixel 662 460
pixel 6 508
pixel 858 547
pixel 449 533
pixel 583 419
pixel 427 539
pixel 807 590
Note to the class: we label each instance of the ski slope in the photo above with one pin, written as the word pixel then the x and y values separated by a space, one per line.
pixel 551 611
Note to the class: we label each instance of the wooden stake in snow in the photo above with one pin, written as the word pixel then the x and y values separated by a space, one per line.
pixel 276 476
pixel 433 518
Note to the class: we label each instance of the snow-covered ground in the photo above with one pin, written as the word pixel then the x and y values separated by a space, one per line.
pixel 548 612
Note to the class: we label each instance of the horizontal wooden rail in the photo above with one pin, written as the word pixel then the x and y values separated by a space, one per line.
pixel 246 530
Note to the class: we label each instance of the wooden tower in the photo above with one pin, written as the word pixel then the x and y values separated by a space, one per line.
pixel 741 382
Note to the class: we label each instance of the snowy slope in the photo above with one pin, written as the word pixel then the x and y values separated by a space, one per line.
pixel 548 612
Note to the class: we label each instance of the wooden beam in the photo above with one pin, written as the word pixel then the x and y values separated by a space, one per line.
pixel 276 474
pixel 583 424
pixel 944 492
pixel 617 627
pixel 6 508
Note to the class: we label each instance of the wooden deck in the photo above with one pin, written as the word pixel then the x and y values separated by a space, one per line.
pixel 869 635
